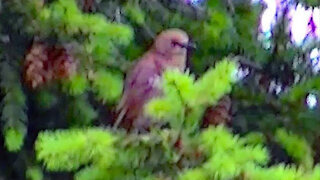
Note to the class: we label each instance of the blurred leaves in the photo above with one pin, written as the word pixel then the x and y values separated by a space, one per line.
pixel 309 3
pixel 300 91
pixel 80 112
pixel 13 107
pixel 46 99
pixel 69 149
pixel 14 139
pixel 34 173
pixel 134 12
pixel 227 155
pixel 107 86
pixel 296 146
pixel 76 85
pixel 103 40
pixel 185 99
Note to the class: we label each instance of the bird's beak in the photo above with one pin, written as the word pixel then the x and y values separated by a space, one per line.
pixel 188 45
pixel 191 45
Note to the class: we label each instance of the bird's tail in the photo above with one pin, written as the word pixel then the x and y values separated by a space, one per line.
pixel 121 103
pixel 120 116
pixel 120 112
pixel 128 115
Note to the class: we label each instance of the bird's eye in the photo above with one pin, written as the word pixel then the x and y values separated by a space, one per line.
pixel 174 43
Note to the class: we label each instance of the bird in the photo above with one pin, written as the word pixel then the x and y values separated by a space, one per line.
pixel 168 51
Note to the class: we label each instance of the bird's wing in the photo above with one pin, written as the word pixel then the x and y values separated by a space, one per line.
pixel 139 88
pixel 139 85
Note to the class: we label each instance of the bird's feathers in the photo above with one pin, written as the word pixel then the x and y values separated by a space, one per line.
pixel 141 81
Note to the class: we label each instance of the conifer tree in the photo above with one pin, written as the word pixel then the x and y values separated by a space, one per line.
pixel 245 107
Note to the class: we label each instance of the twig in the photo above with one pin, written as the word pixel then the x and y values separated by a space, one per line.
pixel 118 15
pixel 231 6
pixel 248 63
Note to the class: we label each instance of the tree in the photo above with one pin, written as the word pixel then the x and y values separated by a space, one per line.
pixel 62 65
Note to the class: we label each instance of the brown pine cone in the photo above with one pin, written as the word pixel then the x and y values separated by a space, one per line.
pixel 219 114
pixel 63 63
pixel 45 63
pixel 36 65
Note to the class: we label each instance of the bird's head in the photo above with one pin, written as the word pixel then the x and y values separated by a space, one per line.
pixel 172 42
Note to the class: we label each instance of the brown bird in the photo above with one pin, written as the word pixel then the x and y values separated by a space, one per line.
pixel 169 50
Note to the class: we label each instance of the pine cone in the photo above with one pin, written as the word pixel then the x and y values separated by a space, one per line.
pixel 219 114
pixel 63 63
pixel 36 65
pixel 45 63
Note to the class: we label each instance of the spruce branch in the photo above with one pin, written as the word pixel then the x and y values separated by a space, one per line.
pixel 13 107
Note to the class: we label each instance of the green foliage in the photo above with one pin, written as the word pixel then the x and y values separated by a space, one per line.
pixel 315 174
pixel 302 120
pixel 127 156
pixel 222 23
pixel 108 156
pixel 133 51
pixel 194 174
pixel 296 146
pixel 281 172
pixel 107 86
pixel 13 139
pixel 310 3
pixel 46 99
pixel 64 18
pixel 80 112
pixel 245 14
pixel 181 84
pixel 254 138
pixel 97 41
pixel 69 149
pixel 298 92
pixel 171 106
pixel 144 155
pixel 34 173
pixel 162 108
pixel 228 156
pixel 91 173
pixel 216 82
pixel 134 12
pixel 13 108
pixel 186 99
pixel 76 85
pixel 215 4
pixel 220 28
pixel 217 31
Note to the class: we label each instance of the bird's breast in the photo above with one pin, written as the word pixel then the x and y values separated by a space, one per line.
pixel 178 62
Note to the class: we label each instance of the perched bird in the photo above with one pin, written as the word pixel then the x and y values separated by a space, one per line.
pixel 169 50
